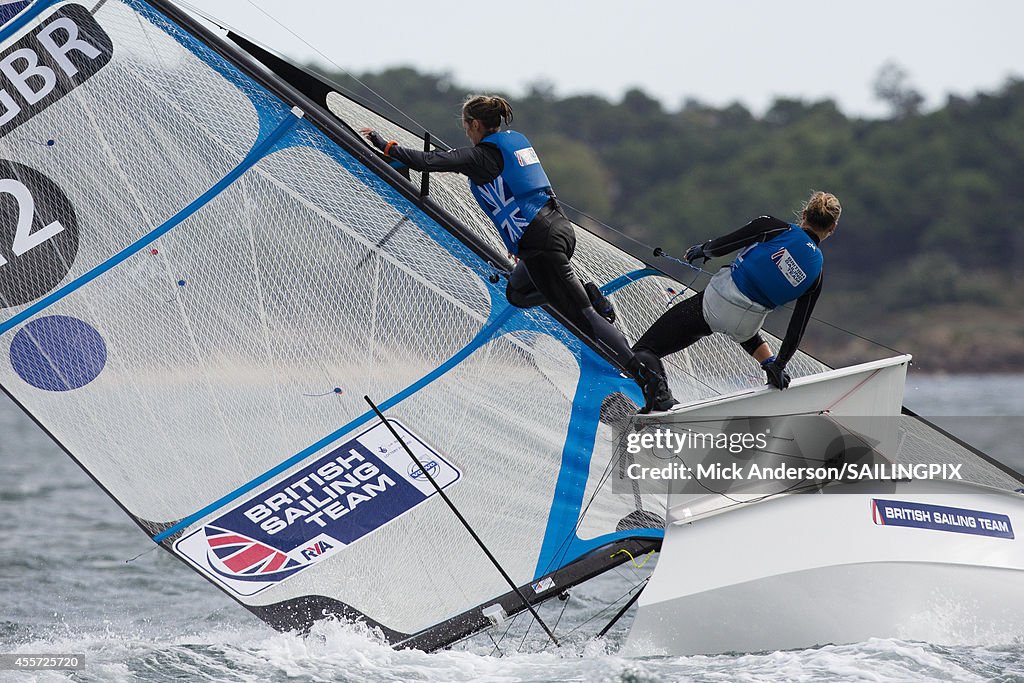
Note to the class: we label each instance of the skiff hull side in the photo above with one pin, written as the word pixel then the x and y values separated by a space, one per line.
pixel 805 570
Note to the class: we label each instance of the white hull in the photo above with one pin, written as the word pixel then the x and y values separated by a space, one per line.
pixel 795 571
pixel 805 570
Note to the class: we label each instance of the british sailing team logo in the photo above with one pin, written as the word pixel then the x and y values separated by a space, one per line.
pixel 317 511
pixel 788 266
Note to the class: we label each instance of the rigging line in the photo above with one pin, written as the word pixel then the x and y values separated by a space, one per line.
pixel 797 486
pixel 565 603
pixel 605 608
pixel 714 420
pixel 694 377
pixel 827 409
pixel 144 552
pixel 511 623
pixel 625 608
pixel 496 648
pixel 462 519
pixel 623 576
pixel 563 548
pixel 382 241
pixel 525 634
pixel 149 39
pixel 487 632
pixel 337 66
pixel 633 559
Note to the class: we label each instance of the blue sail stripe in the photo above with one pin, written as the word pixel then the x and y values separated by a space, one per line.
pixel 561 544
pixel 25 17
pixel 254 155
pixel 632 276
pixel 485 334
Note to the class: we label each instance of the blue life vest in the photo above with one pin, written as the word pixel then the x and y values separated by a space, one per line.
pixel 778 271
pixel 513 198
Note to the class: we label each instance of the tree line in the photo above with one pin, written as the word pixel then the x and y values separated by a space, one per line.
pixel 932 201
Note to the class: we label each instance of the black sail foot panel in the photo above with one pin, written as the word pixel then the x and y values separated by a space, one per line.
pixel 300 614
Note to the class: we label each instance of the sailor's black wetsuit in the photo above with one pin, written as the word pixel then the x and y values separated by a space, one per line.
pixel 531 224
pixel 685 323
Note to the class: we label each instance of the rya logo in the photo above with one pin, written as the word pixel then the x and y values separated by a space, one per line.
pixel 316 550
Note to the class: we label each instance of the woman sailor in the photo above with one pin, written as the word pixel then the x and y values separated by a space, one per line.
pixel 780 262
pixel 509 183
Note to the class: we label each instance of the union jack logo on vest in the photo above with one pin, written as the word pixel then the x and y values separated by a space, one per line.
pixel 504 209
pixel 236 556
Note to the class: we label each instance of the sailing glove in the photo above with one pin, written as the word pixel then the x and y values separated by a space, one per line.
pixel 696 252
pixel 377 140
pixel 776 371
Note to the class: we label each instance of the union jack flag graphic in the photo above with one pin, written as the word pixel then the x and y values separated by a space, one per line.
pixel 876 514
pixel 504 209
pixel 245 558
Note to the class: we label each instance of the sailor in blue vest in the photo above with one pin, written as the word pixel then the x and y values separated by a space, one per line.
pixel 779 262
pixel 510 185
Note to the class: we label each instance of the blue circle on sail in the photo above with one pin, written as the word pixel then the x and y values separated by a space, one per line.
pixel 58 353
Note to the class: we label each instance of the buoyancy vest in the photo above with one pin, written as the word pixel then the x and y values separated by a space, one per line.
pixel 777 271
pixel 513 199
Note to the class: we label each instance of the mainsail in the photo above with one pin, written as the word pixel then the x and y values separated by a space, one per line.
pixel 203 270
pixel 198 290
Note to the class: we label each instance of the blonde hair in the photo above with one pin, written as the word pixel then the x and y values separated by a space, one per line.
pixel 821 210
pixel 489 110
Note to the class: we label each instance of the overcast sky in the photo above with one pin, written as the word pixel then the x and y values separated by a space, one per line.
pixel 717 51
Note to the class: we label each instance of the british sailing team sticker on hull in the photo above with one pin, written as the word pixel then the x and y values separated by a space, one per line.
pixel 314 513
pixel 940 518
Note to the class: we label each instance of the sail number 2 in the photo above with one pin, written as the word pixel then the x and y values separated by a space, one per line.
pixel 24 239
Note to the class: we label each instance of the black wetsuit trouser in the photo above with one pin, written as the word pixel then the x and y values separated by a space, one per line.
pixel 678 328
pixel 544 275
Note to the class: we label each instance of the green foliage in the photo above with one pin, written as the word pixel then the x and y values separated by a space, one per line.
pixel 934 278
pixel 930 199
pixel 576 170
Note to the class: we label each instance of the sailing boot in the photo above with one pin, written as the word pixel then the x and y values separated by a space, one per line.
pixel 646 370
pixel 600 302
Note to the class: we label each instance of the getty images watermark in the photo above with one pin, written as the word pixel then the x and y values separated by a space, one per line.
pixel 777 454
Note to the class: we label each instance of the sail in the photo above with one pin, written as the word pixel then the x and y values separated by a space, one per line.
pixel 204 273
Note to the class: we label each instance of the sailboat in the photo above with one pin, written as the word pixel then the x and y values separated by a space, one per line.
pixel 204 271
